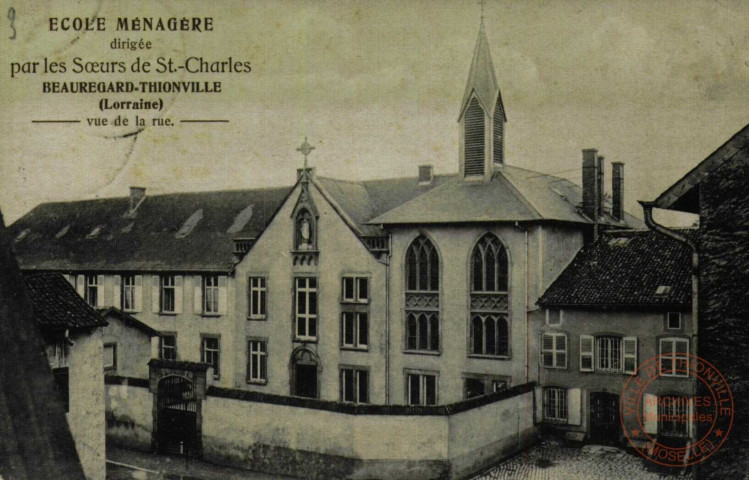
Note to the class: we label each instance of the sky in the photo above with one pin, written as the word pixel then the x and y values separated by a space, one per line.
pixel 376 87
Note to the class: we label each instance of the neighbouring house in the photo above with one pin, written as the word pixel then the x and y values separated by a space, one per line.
pixel 72 334
pixel 129 344
pixel 717 190
pixel 34 434
pixel 624 299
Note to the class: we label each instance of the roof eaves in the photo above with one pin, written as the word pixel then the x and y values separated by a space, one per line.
pixel 378 220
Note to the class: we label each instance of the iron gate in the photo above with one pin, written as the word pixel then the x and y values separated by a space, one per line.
pixel 177 424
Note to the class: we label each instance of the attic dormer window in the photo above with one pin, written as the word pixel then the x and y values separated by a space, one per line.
pixel 474 140
pixel 95 232
pixel 304 231
pixel 190 224
pixel 24 233
pixel 663 290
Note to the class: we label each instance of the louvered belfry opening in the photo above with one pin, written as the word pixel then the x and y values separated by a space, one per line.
pixel 474 140
pixel 499 126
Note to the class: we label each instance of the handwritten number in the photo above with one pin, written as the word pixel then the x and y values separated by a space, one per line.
pixel 12 18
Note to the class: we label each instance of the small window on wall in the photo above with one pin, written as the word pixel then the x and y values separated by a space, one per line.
pixel 355 290
pixel 354 329
pixel 421 389
pixel 92 290
pixel 554 317
pixel 110 357
pixel 210 294
pixel 354 385
pixel 555 404
pixel 128 293
pixel 210 352
pixel 256 298
pixel 672 410
pixel 257 361
pixel 674 357
pixel 673 321
pixel 168 344
pixel 481 385
pixel 554 350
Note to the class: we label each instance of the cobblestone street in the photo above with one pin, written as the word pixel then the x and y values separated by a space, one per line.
pixel 554 461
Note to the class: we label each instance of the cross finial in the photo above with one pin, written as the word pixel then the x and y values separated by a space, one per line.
pixel 482 3
pixel 305 150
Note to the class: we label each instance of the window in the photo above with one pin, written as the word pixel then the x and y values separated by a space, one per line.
pixel 663 290
pixel 110 356
pixel 354 329
pixel 306 308
pixel 128 293
pixel 673 321
pixel 554 317
pixel 609 354
pixel 256 297
pixel 210 352
pixel 483 385
pixel 354 385
pixel 257 361
pixel 422 332
pixel 673 360
pixel 167 294
pixel 421 389
pixel 422 296
pixel 422 266
pixel 168 347
pixel 92 290
pixel 672 412
pixel 355 290
pixel 489 266
pixel 555 404
pixel 554 350
pixel 304 231
pixel 489 335
pixel 210 294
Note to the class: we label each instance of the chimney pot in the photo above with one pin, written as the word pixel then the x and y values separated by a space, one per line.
pixel 617 190
pixel 426 174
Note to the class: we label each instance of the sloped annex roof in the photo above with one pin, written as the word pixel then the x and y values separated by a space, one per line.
pixel 684 194
pixel 626 268
pixel 513 195
pixel 128 320
pixel 56 304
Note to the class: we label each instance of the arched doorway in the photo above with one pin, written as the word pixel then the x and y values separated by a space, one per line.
pixel 177 416
pixel 305 365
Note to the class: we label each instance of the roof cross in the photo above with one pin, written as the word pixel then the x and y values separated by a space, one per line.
pixel 305 150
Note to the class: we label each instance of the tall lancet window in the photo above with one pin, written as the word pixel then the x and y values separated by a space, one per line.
pixel 422 296
pixel 499 133
pixel 304 231
pixel 490 335
pixel 474 139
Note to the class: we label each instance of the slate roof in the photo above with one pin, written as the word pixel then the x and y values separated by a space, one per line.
pixel 513 194
pixel 56 304
pixel 128 320
pixel 625 269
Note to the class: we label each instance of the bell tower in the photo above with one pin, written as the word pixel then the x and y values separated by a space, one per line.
pixel 482 116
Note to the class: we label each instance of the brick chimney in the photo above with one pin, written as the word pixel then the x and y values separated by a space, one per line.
pixel 137 194
pixel 601 183
pixel 426 174
pixel 617 190
pixel 591 183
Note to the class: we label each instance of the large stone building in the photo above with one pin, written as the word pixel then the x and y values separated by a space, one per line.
pixel 397 291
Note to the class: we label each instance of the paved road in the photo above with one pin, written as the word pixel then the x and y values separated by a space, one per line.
pixel 553 461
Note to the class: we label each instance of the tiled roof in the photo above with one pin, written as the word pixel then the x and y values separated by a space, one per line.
pixel 129 320
pixel 57 305
pixel 631 268
pixel 514 194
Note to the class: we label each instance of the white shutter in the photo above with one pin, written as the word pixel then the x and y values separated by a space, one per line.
pixel 155 287
pixel 692 425
pixel 629 354
pixel 587 343
pixel 178 299
pixel 138 293
pixel 70 279
pixel 80 285
pixel 117 292
pixel 197 298
pixel 100 291
pixel 539 404
pixel 223 296
pixel 574 406
pixel 650 413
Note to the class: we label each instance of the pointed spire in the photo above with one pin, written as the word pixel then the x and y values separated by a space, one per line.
pixel 481 77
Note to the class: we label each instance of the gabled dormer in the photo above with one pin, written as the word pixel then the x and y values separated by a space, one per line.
pixel 482 117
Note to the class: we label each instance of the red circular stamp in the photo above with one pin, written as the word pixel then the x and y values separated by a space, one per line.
pixel 676 410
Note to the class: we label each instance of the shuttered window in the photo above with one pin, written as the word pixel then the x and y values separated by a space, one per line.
pixel 474 139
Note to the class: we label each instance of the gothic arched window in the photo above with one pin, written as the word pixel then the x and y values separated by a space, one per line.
pixel 304 231
pixel 422 296
pixel 489 300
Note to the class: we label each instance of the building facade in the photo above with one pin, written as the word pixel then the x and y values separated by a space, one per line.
pixel 623 300
pixel 397 291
